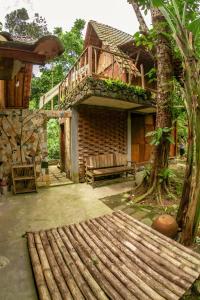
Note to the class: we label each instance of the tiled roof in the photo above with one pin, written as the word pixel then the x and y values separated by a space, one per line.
pixel 111 36
pixel 15 38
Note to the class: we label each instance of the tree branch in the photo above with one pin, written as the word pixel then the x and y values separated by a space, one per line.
pixel 143 26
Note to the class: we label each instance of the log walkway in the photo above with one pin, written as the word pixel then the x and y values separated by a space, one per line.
pixel 110 257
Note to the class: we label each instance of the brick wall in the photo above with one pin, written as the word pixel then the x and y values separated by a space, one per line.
pixel 100 131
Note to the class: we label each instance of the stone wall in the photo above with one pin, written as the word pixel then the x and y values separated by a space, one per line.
pixel 22 139
pixel 92 86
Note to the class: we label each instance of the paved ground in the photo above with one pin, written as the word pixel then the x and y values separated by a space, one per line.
pixel 57 177
pixel 48 208
pixel 142 212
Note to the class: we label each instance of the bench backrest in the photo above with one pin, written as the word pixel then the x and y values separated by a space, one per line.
pixel 120 159
pixel 106 160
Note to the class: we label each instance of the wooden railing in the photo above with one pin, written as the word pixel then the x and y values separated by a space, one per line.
pixel 102 64
pixel 99 63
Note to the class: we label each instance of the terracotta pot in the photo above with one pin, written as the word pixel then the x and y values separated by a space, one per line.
pixel 166 225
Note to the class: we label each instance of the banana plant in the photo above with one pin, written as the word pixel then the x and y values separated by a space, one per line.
pixel 187 38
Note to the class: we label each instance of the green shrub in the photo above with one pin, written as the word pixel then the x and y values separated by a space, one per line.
pixel 53 139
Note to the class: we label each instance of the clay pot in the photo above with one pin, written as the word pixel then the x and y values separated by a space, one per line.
pixel 166 225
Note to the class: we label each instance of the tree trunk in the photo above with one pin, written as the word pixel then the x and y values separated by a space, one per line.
pixel 143 27
pixel 164 87
pixel 189 209
pixel 183 206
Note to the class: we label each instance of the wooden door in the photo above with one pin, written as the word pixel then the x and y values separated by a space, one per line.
pixel 141 150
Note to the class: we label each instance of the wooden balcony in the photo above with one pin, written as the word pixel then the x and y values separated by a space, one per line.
pixel 102 64
pixel 99 64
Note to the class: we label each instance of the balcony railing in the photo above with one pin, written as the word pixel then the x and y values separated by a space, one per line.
pixel 99 63
pixel 102 64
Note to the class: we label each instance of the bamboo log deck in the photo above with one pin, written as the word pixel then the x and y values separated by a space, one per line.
pixel 110 257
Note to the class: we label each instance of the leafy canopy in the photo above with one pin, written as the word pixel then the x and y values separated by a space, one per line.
pixel 18 23
pixel 55 72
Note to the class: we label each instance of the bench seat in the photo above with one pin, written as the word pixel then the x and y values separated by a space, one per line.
pixel 107 164
pixel 113 170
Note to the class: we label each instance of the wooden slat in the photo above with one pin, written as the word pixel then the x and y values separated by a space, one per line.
pixel 110 257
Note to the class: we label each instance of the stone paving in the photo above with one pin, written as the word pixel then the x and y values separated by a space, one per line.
pixel 57 177
pixel 143 213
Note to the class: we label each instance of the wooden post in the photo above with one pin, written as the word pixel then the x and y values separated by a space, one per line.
pixel 137 57
pixel 113 61
pixel 129 75
pixel 69 77
pixel 43 101
pixel 85 63
pixel 95 61
pixel 90 60
pixel 142 75
pixel 121 69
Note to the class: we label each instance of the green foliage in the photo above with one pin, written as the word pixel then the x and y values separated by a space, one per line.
pixel 151 75
pixel 53 137
pixel 182 126
pixel 179 111
pixel 165 174
pixel 147 173
pixel 115 85
pixel 73 44
pixel 186 11
pixel 160 135
pixel 18 23
pixel 55 72
pixel 146 40
pixel 183 18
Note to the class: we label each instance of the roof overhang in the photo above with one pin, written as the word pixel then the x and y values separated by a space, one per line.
pixel 39 52
pixel 14 54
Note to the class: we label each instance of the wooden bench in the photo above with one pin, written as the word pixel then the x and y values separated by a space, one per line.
pixel 108 164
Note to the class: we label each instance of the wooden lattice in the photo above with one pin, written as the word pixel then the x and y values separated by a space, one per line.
pixel 100 131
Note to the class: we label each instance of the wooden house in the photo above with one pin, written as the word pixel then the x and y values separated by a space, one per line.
pixel 110 98
pixel 22 132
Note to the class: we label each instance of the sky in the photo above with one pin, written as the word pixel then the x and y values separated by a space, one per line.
pixel 62 13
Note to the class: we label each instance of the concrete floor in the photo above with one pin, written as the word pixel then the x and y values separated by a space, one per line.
pixel 51 207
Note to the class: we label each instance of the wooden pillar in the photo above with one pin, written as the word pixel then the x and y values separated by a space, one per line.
pixel 142 76
pixel 129 136
pixel 2 94
pixel 74 146
pixel 59 96
pixel 90 60
pixel 113 62
pixel 52 104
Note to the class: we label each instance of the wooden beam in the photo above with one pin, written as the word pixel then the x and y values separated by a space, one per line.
pixel 142 76
pixel 137 57
pixel 140 108
pixel 23 55
pixel 90 60
pixel 55 113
